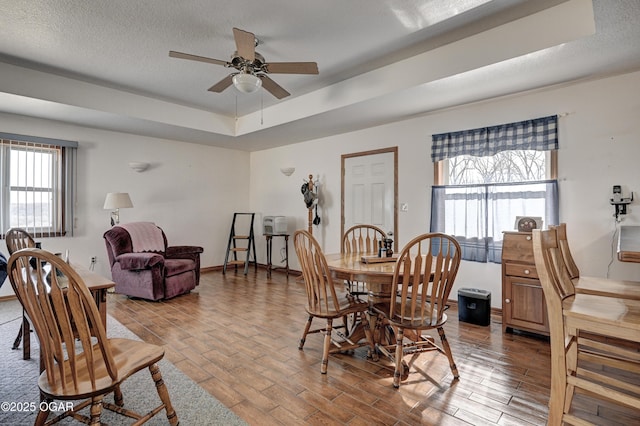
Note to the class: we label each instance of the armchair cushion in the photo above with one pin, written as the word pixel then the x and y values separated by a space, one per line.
pixel 181 251
pixel 133 261
pixel 177 266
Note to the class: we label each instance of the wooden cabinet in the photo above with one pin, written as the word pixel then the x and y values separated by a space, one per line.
pixel 523 305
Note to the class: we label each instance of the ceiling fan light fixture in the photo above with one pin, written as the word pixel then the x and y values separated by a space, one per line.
pixel 252 69
pixel 247 83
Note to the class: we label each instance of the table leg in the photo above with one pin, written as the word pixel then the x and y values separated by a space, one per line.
pixel 269 250
pixel 355 331
pixel 286 252
pixel 100 297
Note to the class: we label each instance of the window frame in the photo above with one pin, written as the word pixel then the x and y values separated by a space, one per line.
pixel 63 182
pixel 487 249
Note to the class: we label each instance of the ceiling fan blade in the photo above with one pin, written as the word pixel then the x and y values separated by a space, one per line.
pixel 191 57
pixel 222 84
pixel 272 87
pixel 245 44
pixel 291 68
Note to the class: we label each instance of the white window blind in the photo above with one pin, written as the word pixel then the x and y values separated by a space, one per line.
pixel 38 184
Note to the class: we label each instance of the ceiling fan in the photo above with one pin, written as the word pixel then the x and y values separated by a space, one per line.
pixel 251 66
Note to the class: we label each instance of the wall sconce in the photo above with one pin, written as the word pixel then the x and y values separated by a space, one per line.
pixel 138 166
pixel 116 201
pixel 288 171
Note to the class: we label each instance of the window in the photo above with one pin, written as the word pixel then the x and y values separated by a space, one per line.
pixel 486 177
pixel 37 184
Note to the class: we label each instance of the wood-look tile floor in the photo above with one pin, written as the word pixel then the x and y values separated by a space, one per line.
pixel 237 337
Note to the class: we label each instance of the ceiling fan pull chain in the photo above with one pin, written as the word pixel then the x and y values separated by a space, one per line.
pixel 262 107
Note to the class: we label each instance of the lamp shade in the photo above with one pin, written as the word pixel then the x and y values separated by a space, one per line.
pixel 117 200
pixel 247 83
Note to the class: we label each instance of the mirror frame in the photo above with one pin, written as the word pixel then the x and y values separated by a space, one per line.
pixel 393 150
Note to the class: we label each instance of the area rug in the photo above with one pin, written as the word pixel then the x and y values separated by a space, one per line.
pixel 18 384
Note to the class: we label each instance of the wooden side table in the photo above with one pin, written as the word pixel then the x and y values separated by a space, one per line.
pixel 270 266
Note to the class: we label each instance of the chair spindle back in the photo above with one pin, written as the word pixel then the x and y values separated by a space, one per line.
pixel 63 314
pixel 419 299
pixel 18 239
pixel 362 239
pixel 321 293
pixel 563 243
pixel 554 270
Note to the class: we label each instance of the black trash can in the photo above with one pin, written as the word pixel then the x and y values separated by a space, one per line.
pixel 474 306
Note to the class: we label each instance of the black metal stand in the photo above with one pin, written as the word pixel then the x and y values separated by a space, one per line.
pixel 270 266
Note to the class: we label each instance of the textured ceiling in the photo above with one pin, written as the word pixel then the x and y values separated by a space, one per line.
pixel 106 64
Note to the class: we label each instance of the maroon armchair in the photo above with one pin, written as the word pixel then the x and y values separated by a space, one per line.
pixel 143 265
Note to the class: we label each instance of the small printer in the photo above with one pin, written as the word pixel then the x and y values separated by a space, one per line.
pixel 274 225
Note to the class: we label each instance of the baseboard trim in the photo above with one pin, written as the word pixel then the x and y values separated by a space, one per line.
pixel 494 311
pixel 293 272
pixel 9 297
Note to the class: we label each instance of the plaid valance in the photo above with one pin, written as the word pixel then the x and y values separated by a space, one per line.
pixel 540 134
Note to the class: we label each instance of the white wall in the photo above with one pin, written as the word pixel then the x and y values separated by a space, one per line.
pixel 190 190
pixel 599 148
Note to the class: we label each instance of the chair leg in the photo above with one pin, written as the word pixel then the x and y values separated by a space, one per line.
pixel 447 351
pixel 571 355
pixel 95 410
pixel 16 343
pixel 26 337
pixel 306 331
pixel 558 392
pixel 326 346
pixel 397 374
pixel 346 321
pixel 117 397
pixel 42 414
pixel 163 393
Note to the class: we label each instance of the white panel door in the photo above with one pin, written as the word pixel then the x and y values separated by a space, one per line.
pixel 369 191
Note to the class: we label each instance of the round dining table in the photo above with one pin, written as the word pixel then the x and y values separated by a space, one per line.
pixel 377 274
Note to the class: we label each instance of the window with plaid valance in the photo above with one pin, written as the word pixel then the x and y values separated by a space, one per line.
pixel 540 134
pixel 478 198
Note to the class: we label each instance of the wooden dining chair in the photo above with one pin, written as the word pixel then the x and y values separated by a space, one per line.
pixel 592 337
pixel 420 301
pixel 16 239
pixel 76 365
pixel 327 301
pixel 592 285
pixel 361 240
